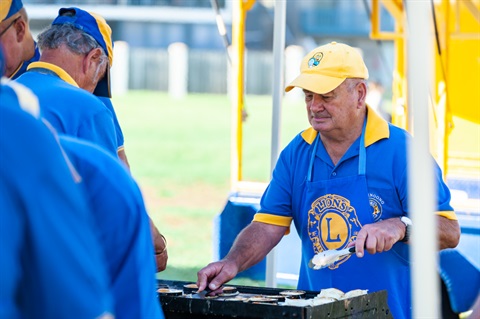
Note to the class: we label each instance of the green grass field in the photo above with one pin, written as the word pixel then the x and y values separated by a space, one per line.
pixel 179 153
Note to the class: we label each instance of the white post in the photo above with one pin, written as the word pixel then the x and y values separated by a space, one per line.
pixel 119 71
pixel 278 89
pixel 422 191
pixel 177 70
pixel 293 55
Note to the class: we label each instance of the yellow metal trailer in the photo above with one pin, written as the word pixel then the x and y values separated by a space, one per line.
pixel 455 96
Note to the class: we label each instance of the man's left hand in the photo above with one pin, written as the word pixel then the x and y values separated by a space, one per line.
pixel 380 236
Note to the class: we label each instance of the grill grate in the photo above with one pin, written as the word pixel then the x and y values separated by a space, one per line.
pixel 373 305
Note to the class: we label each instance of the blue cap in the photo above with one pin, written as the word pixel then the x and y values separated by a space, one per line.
pixel 96 26
pixel 8 8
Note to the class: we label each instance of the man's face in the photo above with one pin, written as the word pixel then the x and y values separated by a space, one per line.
pixel 332 111
pixel 10 44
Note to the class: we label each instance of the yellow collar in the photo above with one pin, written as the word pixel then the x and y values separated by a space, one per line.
pixel 377 129
pixel 16 71
pixel 55 69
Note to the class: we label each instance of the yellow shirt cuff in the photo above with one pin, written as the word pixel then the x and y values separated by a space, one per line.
pixel 448 214
pixel 273 220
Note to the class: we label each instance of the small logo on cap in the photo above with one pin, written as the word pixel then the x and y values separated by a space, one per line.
pixel 315 60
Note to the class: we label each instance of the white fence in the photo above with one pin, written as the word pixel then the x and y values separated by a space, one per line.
pixel 180 70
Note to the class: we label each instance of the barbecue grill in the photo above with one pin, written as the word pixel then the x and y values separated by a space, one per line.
pixel 372 305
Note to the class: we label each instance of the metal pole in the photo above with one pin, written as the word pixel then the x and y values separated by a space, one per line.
pixel 278 89
pixel 422 192
pixel 238 42
pixel 222 29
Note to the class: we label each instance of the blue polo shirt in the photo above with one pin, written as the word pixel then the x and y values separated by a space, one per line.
pixel 68 108
pixel 387 187
pixel 386 169
pixel 108 103
pixel 50 262
pixel 122 225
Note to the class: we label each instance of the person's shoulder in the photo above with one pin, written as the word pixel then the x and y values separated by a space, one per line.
pixel 56 89
pixel 25 137
pixel 8 95
pixel 19 102
pixel 83 101
pixel 81 94
pixel 298 145
pixel 85 149
pixel 95 156
pixel 398 133
pixel 96 165
pixel 107 102
pixel 395 146
pixel 39 81
pixel 302 139
pixel 14 119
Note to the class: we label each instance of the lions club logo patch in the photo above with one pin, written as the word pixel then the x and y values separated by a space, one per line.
pixel 332 224
pixel 315 60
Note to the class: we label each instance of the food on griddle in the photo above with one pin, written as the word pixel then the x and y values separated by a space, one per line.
pixel 322 300
pixel 334 293
pixel 355 293
pixel 237 298
pixel 190 288
pixel 266 300
pixel 293 294
pixel 169 292
pixel 229 291
pixel 279 298
pixel 298 302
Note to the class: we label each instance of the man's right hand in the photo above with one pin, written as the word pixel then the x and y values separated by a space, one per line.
pixel 250 247
pixel 215 274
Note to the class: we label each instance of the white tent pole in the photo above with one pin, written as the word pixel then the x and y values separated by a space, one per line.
pixel 422 191
pixel 278 86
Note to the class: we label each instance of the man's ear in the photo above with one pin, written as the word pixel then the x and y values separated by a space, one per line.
pixel 362 92
pixel 20 29
pixel 96 54
pixel 91 59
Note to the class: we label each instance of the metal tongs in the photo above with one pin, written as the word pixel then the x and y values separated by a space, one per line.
pixel 327 258
pixel 202 294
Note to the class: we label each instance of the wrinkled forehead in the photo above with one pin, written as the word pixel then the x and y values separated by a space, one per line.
pixel 338 88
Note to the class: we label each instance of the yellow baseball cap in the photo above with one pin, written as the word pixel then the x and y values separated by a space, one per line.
pixel 8 8
pixel 326 67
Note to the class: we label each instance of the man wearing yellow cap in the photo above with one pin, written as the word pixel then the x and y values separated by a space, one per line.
pixel 18 45
pixel 343 182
